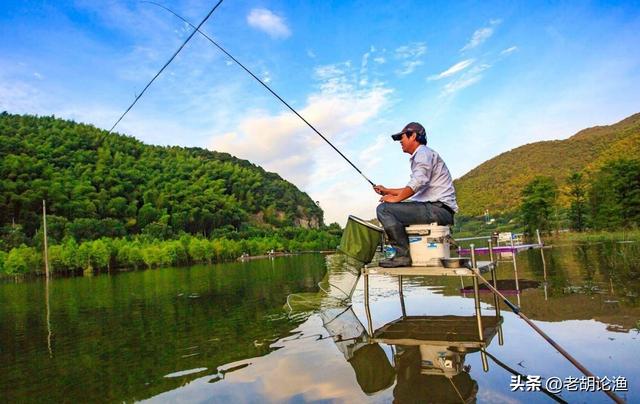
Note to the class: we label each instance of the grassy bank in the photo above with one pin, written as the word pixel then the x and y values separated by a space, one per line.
pixel 597 236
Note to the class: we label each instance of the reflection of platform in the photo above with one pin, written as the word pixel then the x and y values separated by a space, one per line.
pixel 483 266
pixel 448 331
pixel 434 331
pixel 501 249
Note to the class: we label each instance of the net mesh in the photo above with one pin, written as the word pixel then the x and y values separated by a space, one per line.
pixel 335 289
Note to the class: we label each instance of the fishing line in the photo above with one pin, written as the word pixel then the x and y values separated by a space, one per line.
pixel 263 84
pixel 164 66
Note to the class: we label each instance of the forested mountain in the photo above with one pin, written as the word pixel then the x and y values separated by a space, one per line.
pixel 100 185
pixel 497 184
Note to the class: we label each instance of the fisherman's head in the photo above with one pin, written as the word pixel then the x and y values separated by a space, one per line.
pixel 411 136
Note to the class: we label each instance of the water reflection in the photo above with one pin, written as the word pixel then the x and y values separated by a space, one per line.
pixel 120 335
pixel 221 334
pixel 428 353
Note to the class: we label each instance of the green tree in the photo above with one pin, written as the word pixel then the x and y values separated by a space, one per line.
pixel 100 254
pixel 577 194
pixel 23 260
pixel 3 257
pixel 538 201
pixel 615 195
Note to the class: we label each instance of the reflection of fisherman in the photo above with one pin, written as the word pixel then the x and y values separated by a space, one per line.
pixel 423 378
pixel 425 373
pixel 430 195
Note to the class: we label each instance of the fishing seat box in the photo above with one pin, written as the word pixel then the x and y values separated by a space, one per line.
pixel 428 243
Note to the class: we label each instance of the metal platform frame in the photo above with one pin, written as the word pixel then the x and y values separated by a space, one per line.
pixel 480 266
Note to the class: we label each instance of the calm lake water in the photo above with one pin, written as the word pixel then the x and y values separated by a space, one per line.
pixel 224 333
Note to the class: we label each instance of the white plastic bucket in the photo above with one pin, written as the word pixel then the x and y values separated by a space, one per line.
pixel 428 243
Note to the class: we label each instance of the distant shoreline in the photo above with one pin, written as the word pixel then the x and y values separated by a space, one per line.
pixel 281 254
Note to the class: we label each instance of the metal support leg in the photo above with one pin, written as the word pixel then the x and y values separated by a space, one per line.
pixel 476 299
pixel 515 270
pixel 544 271
pixel 496 300
pixel 404 310
pixel 366 302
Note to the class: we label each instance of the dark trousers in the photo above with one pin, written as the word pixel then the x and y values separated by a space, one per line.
pixel 395 216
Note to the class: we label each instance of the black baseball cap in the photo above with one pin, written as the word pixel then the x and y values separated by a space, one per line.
pixel 413 127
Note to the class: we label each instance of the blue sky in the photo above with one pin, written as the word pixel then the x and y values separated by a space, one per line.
pixel 482 77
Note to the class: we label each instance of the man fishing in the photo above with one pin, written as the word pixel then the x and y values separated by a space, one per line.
pixel 429 197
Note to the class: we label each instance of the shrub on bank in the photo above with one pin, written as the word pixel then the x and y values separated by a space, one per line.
pixel 141 252
pixel 22 260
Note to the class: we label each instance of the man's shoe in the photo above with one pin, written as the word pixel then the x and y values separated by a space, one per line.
pixel 396 262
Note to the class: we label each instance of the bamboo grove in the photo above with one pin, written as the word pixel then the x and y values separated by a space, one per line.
pixel 114 189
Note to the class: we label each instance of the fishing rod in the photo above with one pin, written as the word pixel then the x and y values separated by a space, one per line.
pixel 564 353
pixel 553 396
pixel 164 67
pixel 197 29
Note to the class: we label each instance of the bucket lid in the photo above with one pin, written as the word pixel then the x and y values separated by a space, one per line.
pixel 367 224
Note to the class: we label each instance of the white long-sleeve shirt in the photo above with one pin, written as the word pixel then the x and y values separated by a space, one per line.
pixel 430 178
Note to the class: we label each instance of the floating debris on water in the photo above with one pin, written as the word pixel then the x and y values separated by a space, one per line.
pixel 617 328
pixel 234 368
pixel 215 379
pixel 185 372
pixel 585 289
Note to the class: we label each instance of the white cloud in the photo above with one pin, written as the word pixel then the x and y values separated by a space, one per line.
pixel 371 156
pixel 379 60
pixel 509 50
pixel 311 54
pixel 459 84
pixel 267 21
pixel 458 67
pixel 347 197
pixel 412 50
pixel 19 97
pixel 266 77
pixel 410 57
pixel 408 67
pixel 283 143
pixel 38 75
pixel 480 35
pixel 471 77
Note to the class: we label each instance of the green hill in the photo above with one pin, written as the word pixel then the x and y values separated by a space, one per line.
pixel 496 184
pixel 112 185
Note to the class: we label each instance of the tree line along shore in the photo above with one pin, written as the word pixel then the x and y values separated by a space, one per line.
pixel 106 254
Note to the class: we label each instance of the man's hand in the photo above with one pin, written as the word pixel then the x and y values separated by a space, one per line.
pixel 396 195
pixel 380 190
pixel 390 198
